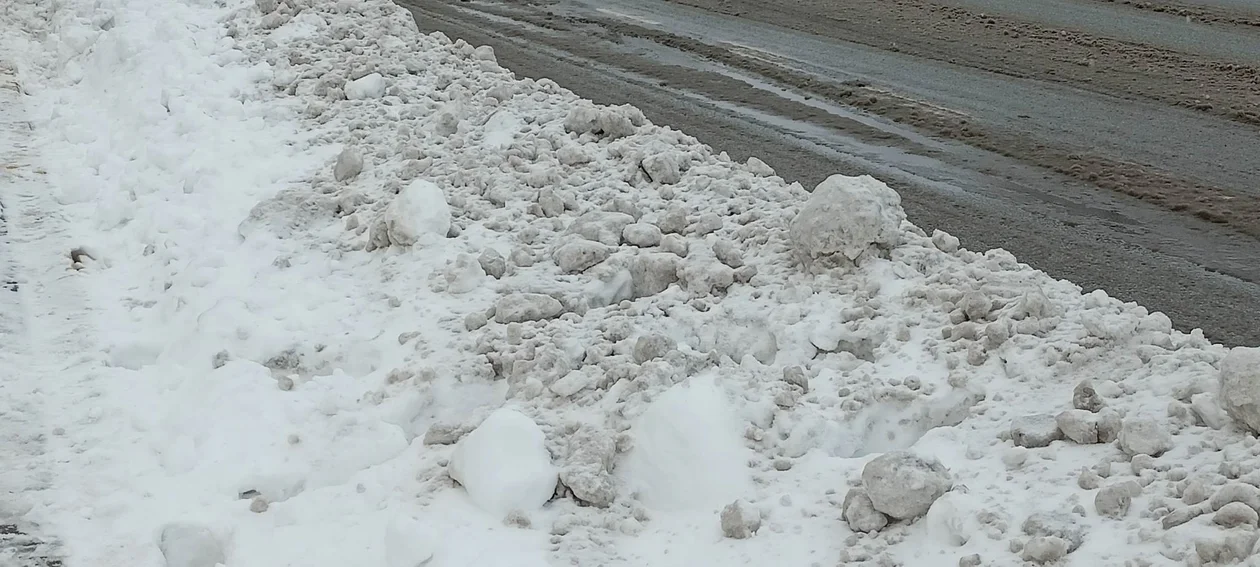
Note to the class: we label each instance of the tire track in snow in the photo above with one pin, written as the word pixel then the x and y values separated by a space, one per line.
pixel 24 468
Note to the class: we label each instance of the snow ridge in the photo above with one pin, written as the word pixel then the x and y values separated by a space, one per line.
pixel 321 250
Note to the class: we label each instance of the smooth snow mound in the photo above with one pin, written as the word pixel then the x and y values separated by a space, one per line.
pixel 371 86
pixel 688 451
pixel 419 214
pixel 504 464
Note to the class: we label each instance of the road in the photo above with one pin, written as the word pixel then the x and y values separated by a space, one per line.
pixel 1132 190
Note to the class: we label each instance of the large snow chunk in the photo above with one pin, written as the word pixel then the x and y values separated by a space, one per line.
pixel 688 452
pixel 904 485
pixel 349 164
pixel 591 452
pixel 609 121
pixel 576 256
pixel 1240 386
pixel 419 213
pixel 604 227
pixel 521 307
pixel 370 86
pixel 504 464
pixel 190 545
pixel 845 217
pixel 664 168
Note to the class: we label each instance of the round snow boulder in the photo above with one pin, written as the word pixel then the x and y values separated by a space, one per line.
pixel 370 86
pixel 904 485
pixel 190 545
pixel 504 464
pixel 418 213
pixel 1240 386
pixel 844 217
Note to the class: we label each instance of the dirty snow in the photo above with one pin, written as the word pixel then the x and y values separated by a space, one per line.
pixel 280 266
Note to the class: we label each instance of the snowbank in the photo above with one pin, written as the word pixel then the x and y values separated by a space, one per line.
pixel 327 250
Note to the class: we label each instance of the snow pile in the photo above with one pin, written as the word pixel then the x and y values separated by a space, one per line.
pixel 327 251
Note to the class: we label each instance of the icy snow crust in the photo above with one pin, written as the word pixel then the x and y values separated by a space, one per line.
pixel 324 247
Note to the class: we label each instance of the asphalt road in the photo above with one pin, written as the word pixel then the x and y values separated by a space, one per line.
pixel 1109 190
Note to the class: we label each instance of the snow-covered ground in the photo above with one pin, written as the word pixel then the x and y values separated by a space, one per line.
pixel 293 284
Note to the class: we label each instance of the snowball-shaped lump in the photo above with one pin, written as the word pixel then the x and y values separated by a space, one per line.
pixel 504 464
pixel 419 212
pixel 190 545
pixel 370 86
pixel 1240 386
pixel 904 485
pixel 844 217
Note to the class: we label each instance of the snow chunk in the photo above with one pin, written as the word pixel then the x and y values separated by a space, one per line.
pixel 190 545
pixel 526 307
pixel 367 87
pixel 484 53
pixel 759 168
pixel 642 235
pixel 419 213
pixel 579 255
pixel 1035 431
pixel 1240 386
pixel 844 218
pixel 688 453
pixel 860 513
pixel 608 121
pixel 504 464
pixel 493 263
pixel 739 520
pixel 1144 436
pixel 349 164
pixel 587 473
pixel 464 274
pixel 1045 549
pixel 1079 425
pixel 604 227
pixel 904 485
pixel 664 168
pixel 653 273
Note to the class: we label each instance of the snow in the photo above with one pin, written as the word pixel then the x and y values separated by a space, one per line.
pixel 370 86
pixel 419 215
pixel 688 451
pixel 504 465
pixel 295 284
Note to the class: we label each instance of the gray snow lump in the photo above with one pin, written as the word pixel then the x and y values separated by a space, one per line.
pixel 578 255
pixel 1035 431
pixel 860 513
pixel 608 121
pixel 1144 436
pixel 349 164
pixel 845 217
pixel 523 307
pixel 1240 386
pixel 904 485
pixel 590 464
pixel 739 520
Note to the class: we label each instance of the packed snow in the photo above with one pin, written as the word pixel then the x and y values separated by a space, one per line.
pixel 291 283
